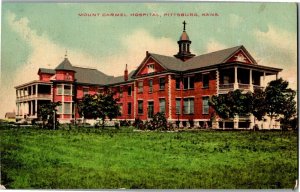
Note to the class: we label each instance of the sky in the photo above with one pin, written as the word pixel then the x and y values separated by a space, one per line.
pixel 37 35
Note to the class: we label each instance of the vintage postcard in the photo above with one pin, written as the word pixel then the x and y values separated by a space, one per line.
pixel 178 95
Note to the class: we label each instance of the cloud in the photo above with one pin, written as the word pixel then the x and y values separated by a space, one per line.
pixel 48 54
pixel 214 45
pixel 278 48
pixel 235 20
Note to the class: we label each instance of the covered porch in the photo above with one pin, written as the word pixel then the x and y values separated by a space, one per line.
pixel 246 78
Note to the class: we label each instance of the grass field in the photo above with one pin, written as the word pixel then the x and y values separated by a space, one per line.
pixel 94 158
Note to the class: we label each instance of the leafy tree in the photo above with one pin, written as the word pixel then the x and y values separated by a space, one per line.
pixel 46 114
pixel 279 100
pixel 231 104
pixel 258 104
pixel 99 106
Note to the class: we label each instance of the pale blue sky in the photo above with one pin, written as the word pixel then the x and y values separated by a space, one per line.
pixel 37 34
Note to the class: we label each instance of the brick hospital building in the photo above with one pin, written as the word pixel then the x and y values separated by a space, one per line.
pixel 178 85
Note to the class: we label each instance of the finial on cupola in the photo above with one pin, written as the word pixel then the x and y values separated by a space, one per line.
pixel 126 73
pixel 184 23
pixel 66 55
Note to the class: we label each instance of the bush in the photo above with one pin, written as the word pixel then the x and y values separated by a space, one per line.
pixel 125 123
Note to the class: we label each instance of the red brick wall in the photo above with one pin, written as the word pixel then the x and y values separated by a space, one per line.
pixel 63 75
pixel 45 77
pixel 198 92
pixel 154 96
pixel 124 100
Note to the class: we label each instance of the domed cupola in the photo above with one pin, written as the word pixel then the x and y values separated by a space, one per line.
pixel 184 46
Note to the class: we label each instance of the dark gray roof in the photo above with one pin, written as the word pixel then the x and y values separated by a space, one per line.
pixel 48 71
pixel 91 76
pixel 65 65
pixel 120 79
pixel 217 57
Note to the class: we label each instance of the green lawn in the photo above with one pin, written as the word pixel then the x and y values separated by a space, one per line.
pixel 91 158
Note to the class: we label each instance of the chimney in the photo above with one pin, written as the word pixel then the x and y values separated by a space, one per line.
pixel 126 74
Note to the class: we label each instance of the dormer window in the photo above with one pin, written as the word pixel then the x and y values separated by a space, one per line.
pixel 151 68
pixel 68 76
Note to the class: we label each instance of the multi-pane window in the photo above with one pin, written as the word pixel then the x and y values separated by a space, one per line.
pixel 162 82
pixel 205 105
pixel 205 80
pixel 140 106
pixel 129 108
pixel 59 89
pixel 129 90
pixel 178 106
pixel 150 85
pixel 67 108
pixel 188 105
pixel 67 90
pixel 140 87
pixel 177 83
pixel 150 68
pixel 85 91
pixel 188 82
pixel 162 105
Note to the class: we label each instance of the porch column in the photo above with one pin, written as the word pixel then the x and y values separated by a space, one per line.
pixel 235 85
pixel 264 80
pixel 217 81
pixel 251 121
pixel 276 76
pixel 250 80
pixel 236 122
pixel 169 97
pixel 36 89
pixel 31 108
pixel 35 106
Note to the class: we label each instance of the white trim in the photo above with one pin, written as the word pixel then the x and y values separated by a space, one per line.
pixel 150 100
pixel 152 76
pixel 245 54
pixel 145 62
pixel 188 97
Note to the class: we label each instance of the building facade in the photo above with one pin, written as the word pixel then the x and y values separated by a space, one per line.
pixel 179 86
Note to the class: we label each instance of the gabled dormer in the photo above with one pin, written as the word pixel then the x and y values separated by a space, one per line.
pixel 241 55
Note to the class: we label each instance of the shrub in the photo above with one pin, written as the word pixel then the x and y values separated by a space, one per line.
pixel 159 122
pixel 125 123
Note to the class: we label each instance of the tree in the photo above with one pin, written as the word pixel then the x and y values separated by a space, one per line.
pixel 46 114
pixel 231 104
pixel 99 106
pixel 279 100
pixel 257 104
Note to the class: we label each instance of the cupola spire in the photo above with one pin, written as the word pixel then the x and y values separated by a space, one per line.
pixel 184 45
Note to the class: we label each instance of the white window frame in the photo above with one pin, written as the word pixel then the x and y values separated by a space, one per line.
pixel 205 108
pixel 190 110
pixel 151 68
pixel 140 86
pixel 162 106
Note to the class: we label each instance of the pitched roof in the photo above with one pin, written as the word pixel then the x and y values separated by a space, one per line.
pixel 200 61
pixel 65 65
pixel 47 71
pixel 120 79
pixel 91 76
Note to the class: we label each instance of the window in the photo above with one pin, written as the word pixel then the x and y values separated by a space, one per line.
pixel 140 106
pixel 59 89
pixel 205 80
pixel 129 90
pixel 59 109
pixel 162 105
pixel 162 83
pixel 188 105
pixel 150 85
pixel 150 109
pixel 129 108
pixel 140 87
pixel 67 90
pixel 85 91
pixel 205 105
pixel 188 82
pixel 67 108
pixel 150 68
pixel 68 76
pixel 177 83
pixel 178 106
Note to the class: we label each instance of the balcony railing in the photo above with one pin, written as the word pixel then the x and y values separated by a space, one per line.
pixel 38 96
pixel 257 87
pixel 243 86
pixel 226 86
